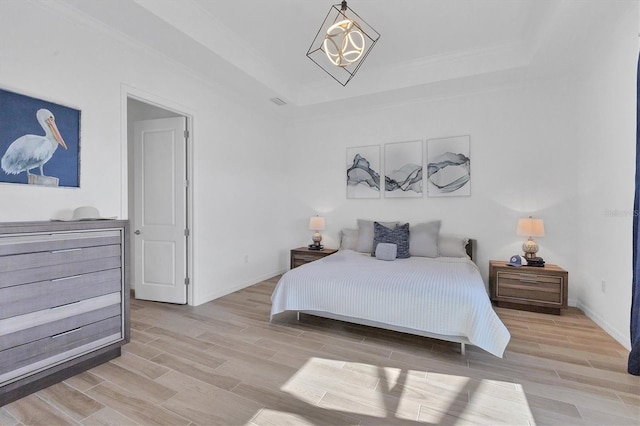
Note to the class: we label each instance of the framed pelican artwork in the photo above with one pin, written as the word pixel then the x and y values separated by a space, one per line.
pixel 39 142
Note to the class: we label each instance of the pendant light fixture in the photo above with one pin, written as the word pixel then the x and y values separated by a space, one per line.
pixel 342 43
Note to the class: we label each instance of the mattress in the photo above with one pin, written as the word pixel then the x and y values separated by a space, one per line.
pixel 444 296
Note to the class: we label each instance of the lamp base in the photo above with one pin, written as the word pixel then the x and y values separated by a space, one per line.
pixel 315 247
pixel 316 238
pixel 530 248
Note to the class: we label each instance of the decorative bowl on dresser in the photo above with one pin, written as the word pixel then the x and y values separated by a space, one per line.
pixel 302 255
pixel 64 300
pixel 539 289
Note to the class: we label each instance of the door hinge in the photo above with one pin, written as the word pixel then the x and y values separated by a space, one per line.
pixel 186 134
pixel 186 183
pixel 187 233
pixel 187 281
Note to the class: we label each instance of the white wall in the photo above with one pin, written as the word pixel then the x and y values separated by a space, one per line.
pixel 605 148
pixel 236 151
pixel 518 145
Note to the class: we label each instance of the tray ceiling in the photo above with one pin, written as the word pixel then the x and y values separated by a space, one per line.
pixel 261 45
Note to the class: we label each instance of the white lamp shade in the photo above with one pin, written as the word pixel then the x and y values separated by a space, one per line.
pixel 530 227
pixel 316 223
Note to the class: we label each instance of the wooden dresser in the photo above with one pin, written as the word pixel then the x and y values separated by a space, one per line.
pixel 529 288
pixel 64 300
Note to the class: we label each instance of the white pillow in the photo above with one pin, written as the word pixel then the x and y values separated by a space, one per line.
pixel 386 251
pixel 365 234
pixel 423 239
pixel 348 239
pixel 452 246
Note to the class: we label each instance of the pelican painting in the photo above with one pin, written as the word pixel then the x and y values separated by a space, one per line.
pixel 32 151
pixel 39 142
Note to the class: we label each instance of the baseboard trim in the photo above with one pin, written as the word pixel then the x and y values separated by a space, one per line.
pixel 212 296
pixel 620 338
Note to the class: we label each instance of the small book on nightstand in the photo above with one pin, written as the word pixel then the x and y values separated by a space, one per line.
pixel 535 261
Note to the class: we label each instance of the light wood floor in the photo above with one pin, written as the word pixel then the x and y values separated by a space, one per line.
pixel 224 363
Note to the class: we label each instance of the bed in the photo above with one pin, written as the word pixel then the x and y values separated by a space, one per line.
pixel 440 297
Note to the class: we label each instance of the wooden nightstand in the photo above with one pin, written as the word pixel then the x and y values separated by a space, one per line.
pixel 303 255
pixel 528 288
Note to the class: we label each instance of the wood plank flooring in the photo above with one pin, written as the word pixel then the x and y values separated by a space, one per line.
pixel 225 363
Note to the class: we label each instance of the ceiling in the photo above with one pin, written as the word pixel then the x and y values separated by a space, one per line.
pixel 261 45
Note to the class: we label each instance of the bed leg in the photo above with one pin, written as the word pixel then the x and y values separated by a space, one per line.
pixel 462 349
pixel 298 316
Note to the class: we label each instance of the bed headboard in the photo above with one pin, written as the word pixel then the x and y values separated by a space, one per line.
pixel 471 249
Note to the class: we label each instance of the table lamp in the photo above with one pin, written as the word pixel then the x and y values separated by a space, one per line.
pixel 530 227
pixel 316 223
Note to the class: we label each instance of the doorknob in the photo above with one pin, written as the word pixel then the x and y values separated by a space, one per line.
pixel 137 232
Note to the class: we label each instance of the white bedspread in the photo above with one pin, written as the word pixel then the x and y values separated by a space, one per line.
pixel 441 295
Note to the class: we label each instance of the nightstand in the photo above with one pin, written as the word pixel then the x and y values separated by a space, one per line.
pixel 303 255
pixel 529 288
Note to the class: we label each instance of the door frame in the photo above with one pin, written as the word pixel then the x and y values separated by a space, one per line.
pixel 128 92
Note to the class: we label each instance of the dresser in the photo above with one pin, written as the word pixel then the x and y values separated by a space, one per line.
pixel 302 255
pixel 64 300
pixel 540 289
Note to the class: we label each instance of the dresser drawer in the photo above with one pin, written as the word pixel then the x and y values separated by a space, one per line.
pixel 43 242
pixel 529 293
pixel 305 258
pixel 22 299
pixel 23 355
pixel 62 270
pixel 529 278
pixel 45 316
pixel 11 340
pixel 301 259
pixel 55 257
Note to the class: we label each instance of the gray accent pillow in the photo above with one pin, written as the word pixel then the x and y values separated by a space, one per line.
pixel 365 234
pixel 398 236
pixel 348 239
pixel 423 239
pixel 452 246
pixel 386 251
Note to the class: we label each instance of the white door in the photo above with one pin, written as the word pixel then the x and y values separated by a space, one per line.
pixel 160 231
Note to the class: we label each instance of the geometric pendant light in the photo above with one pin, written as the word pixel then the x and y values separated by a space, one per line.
pixel 342 43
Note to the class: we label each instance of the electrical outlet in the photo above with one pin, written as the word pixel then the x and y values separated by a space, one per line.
pixel 246 258
pixel 603 287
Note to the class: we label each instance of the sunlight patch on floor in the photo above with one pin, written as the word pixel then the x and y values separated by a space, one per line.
pixel 393 393
pixel 494 401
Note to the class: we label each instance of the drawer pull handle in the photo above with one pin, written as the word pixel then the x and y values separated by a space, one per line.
pixel 66 250
pixel 64 306
pixel 66 332
pixel 66 278
pixel 530 277
pixel 530 281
